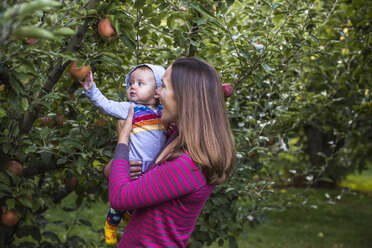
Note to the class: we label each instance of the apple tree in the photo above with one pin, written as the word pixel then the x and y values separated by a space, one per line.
pixel 301 99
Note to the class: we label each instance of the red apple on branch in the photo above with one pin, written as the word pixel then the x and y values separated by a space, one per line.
pixel 79 73
pixel 46 122
pixel 15 167
pixel 228 90
pixel 106 30
pixel 9 218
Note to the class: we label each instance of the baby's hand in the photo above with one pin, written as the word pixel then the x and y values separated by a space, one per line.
pixel 88 82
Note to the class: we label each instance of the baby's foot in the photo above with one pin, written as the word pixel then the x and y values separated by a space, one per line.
pixel 110 234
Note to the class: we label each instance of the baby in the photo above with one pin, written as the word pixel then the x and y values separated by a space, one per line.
pixel 147 135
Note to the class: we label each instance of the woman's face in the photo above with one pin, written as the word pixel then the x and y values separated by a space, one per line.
pixel 167 99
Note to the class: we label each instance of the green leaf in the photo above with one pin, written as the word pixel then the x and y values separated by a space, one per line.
pixel 2 113
pixel 18 88
pixel 4 178
pixel 266 67
pixel 24 104
pixel 25 9
pixel 44 133
pixel 195 43
pixel 127 41
pixel 10 203
pixel 80 164
pixel 206 13
pixel 278 20
pixel 34 32
pixel 25 201
pixel 64 32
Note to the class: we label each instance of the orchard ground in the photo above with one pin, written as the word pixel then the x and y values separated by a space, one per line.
pixel 346 223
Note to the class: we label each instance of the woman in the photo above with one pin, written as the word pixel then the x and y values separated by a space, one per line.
pixel 199 154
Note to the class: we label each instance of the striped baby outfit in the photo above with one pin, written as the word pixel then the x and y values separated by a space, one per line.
pixel 167 200
pixel 148 133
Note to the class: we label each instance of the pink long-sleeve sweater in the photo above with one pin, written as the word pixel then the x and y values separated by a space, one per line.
pixel 167 200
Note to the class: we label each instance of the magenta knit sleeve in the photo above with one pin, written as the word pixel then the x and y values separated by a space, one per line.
pixel 167 181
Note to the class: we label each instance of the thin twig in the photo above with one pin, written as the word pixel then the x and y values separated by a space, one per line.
pixel 236 48
pixel 334 6
pixel 254 67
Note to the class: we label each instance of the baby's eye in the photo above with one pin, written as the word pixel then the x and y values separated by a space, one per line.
pixel 140 83
pixel 130 83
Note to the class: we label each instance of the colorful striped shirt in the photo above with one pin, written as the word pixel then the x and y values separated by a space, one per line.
pixel 167 200
pixel 148 132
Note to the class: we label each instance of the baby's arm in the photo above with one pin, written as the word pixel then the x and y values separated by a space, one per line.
pixel 109 107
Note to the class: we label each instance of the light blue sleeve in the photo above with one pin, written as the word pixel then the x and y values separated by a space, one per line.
pixel 106 106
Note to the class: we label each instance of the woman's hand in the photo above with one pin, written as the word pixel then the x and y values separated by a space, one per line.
pixel 124 127
pixel 135 169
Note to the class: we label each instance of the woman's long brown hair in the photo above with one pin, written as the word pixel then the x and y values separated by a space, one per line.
pixel 204 129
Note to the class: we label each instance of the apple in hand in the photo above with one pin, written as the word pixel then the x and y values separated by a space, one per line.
pixel 15 167
pixel 79 73
pixel 106 30
pixel 9 218
pixel 228 90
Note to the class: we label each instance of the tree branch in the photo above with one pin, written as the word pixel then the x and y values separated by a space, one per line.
pixel 262 54
pixel 57 70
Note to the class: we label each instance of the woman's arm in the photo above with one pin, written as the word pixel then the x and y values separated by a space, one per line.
pixel 167 181
pixel 170 180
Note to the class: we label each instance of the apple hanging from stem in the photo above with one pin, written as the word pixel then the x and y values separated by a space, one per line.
pixel 228 90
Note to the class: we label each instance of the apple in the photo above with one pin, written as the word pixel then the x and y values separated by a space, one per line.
pixel 70 183
pixel 101 122
pixel 15 167
pixel 228 90
pixel 9 218
pixel 79 73
pixel 106 30
pixel 271 141
pixel 46 122
pixel 60 120
pixel 31 41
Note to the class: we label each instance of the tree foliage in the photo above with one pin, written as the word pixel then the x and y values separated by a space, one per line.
pixel 301 110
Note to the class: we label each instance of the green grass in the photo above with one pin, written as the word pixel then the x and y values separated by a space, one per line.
pixel 348 223
pixel 361 182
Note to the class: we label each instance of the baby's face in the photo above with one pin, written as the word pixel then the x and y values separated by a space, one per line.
pixel 142 87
